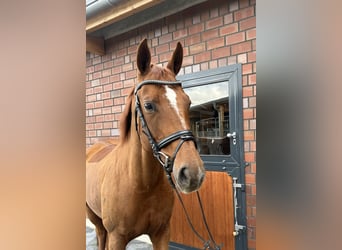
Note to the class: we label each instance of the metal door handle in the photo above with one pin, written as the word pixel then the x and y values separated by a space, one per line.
pixel 232 135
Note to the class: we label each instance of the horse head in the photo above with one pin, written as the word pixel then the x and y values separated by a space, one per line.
pixel 164 124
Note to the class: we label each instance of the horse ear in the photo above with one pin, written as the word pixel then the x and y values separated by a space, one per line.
pixel 175 63
pixel 143 57
pixel 126 117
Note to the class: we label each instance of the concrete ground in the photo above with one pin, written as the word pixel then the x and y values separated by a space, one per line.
pixel 141 243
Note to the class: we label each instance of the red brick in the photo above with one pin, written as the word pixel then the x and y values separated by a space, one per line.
pixel 195 29
pixel 108 64
pixel 90 69
pixel 98 89
pixel 119 100
pixel 104 80
pixel 252 124
pixel 243 3
pixel 125 92
pixel 117 85
pixel 188 60
pixel 127 67
pixel 251 244
pixel 245 125
pixel 248 113
pixel 213 23
pixel 107 87
pixel 254 44
pixel 228 18
pixel 210 34
pixel 105 132
pixel 180 34
pixel 241 48
pixel 249 135
pixel 192 40
pixel 107 125
pixel 128 83
pixel 119 61
pixel 252 102
pixel 229 29
pixel 97 75
pixel 121 52
pixel 97 111
pixel 248 23
pixel 105 95
pixel 251 201
pixel 130 74
pixel 197 48
pixel 253 167
pixel 91 133
pixel 235 38
pixel 251 34
pixel 247 69
pixel 90 126
pixel 202 57
pixel 243 13
pixel 251 56
pixel 215 43
pixel 96 60
pixel 98 67
pixel 106 72
pixel 165 57
pixel 90 105
pixel 89 91
pixel 132 49
pixel 98 126
pixel 108 102
pixel 106 110
pixel 221 52
pixel 253 146
pixel 109 117
pixel 252 79
pixel 91 98
pixel 165 38
pixel 116 70
pixel 250 178
pixel 247 91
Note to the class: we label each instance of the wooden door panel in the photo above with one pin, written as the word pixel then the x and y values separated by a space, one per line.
pixel 217 198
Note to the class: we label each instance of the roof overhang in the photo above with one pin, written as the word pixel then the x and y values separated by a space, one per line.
pixel 115 17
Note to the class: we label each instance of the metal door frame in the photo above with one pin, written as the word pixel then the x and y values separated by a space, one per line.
pixel 232 164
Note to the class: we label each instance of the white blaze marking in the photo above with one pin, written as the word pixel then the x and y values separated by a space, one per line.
pixel 172 97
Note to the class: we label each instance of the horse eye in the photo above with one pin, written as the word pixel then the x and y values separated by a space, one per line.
pixel 149 106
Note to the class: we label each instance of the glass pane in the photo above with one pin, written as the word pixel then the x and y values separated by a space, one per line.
pixel 209 116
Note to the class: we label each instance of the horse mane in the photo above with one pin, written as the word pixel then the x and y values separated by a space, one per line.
pixel 126 118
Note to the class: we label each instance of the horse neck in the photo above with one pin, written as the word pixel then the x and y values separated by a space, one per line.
pixel 145 170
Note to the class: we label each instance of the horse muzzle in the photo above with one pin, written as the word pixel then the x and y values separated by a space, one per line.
pixel 189 178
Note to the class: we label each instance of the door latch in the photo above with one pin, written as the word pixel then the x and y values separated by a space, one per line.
pixel 233 136
pixel 237 227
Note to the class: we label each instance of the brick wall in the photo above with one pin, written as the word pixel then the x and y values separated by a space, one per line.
pixel 214 34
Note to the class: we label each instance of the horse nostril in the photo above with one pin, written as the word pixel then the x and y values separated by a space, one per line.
pixel 183 175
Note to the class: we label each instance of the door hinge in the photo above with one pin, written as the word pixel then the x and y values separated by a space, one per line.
pixel 237 228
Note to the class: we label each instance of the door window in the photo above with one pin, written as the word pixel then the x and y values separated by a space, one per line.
pixel 209 116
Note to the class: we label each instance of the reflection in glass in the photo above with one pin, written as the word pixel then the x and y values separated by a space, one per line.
pixel 209 116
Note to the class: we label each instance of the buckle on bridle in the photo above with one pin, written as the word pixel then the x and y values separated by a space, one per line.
pixel 164 162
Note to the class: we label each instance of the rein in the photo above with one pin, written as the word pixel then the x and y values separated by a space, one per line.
pixel 166 161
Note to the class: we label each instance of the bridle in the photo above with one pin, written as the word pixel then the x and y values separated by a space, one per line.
pixel 183 135
pixel 165 160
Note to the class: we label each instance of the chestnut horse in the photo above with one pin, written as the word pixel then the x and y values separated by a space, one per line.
pixel 128 191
